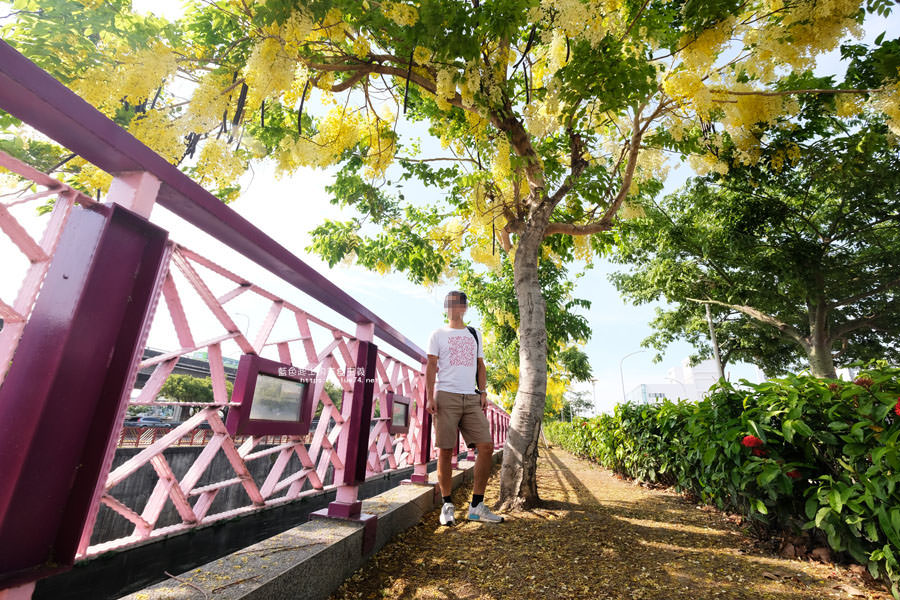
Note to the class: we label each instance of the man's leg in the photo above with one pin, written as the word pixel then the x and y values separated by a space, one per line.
pixel 445 473
pixel 483 464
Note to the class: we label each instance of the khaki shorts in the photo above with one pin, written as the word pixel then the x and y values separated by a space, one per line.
pixel 463 412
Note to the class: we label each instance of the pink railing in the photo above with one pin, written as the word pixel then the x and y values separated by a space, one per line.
pixel 166 275
pixel 33 255
pixel 199 275
pixel 141 437
pixel 329 354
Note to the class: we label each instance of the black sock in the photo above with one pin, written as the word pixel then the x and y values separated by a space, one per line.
pixel 448 499
pixel 476 499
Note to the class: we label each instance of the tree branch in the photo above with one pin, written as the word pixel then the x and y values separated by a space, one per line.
pixel 857 297
pixel 605 222
pixel 786 329
pixel 790 92
pixel 849 326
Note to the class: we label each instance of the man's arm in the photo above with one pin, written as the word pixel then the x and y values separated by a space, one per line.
pixel 482 381
pixel 430 373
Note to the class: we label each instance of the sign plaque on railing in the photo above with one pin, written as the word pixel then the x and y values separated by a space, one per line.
pixel 398 407
pixel 275 398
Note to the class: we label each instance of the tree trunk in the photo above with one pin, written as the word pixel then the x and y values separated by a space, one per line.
pixel 821 362
pixel 518 475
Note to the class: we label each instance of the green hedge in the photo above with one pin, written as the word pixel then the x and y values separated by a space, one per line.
pixel 798 452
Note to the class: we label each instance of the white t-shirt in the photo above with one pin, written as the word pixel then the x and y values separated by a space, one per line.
pixel 457 363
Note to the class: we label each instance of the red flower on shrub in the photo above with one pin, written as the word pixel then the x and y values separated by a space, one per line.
pixel 751 441
pixel 795 474
pixel 897 407
pixel 759 452
pixel 865 382
pixel 833 387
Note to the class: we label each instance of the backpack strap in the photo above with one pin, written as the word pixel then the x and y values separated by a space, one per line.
pixel 477 342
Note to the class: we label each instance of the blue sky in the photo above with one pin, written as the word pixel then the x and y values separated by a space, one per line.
pixel 289 208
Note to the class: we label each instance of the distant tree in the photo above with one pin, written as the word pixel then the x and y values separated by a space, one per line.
pixel 335 393
pixel 187 388
pixel 797 254
pixel 574 404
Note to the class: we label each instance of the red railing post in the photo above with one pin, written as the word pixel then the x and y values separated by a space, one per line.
pixel 91 304
pixel 422 454
pixel 353 442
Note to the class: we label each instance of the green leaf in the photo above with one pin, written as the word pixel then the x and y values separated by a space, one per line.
pixel 761 506
pixel 812 504
pixel 788 431
pixel 834 499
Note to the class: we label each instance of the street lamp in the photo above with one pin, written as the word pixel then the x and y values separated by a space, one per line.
pixel 622 374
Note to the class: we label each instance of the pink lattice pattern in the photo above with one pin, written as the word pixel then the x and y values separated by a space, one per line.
pixel 318 463
pixel 37 253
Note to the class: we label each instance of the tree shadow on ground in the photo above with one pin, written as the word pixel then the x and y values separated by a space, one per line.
pixel 594 537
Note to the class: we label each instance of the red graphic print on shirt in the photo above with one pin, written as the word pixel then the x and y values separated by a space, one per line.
pixel 462 351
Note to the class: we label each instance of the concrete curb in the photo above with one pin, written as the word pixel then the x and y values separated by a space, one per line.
pixel 311 560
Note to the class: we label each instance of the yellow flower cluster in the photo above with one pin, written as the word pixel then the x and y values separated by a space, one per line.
pixel 504 317
pixel 482 253
pixel 706 163
pixel 361 47
pixel 160 132
pixel 381 148
pixel 89 178
pixel 888 102
pixel 582 249
pixel 793 153
pixel 269 71
pixel 795 35
pixel 651 164
pixel 338 131
pixel 449 235
pixel 445 87
pixel 218 166
pixel 848 105
pixel 422 55
pixel 292 96
pixel 688 88
pixel 677 127
pixel 630 211
pixel 208 103
pixel 700 53
pixel 556 56
pixel 745 111
pixel 135 76
pixel 401 14
pixel 296 30
pixel 590 20
pixel 331 28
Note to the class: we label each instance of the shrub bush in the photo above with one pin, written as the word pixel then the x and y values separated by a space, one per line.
pixel 792 453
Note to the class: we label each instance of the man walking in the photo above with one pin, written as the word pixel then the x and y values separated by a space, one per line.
pixel 457 400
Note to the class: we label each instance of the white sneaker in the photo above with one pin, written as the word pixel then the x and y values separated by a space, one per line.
pixel 480 512
pixel 447 514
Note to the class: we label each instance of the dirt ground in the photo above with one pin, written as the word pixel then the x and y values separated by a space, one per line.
pixel 596 537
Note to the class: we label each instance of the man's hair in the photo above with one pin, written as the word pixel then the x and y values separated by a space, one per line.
pixel 456 295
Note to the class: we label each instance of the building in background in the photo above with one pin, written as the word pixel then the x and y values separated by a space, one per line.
pixel 685 382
